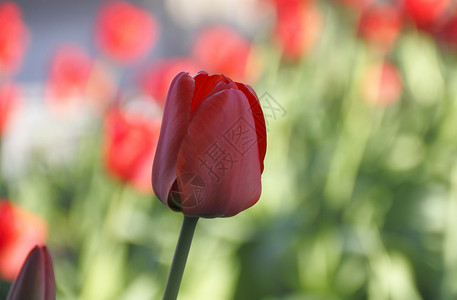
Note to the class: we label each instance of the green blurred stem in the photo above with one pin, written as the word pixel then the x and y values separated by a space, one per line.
pixel 180 258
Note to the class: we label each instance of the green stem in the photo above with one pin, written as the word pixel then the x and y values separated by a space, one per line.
pixel 180 258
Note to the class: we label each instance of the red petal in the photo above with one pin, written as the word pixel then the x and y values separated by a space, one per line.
pixel 259 119
pixel 213 192
pixel 174 126
pixel 222 86
pixel 204 84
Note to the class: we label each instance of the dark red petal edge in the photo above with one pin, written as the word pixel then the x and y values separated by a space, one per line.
pixel 259 120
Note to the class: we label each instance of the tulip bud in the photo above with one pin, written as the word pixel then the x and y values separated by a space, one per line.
pixel 36 280
pixel 211 147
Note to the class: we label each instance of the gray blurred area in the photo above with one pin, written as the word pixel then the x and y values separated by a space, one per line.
pixel 56 22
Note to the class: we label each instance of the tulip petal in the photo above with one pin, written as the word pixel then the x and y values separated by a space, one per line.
pixel 50 292
pixel 204 84
pixel 218 165
pixel 259 120
pixel 36 280
pixel 222 86
pixel 174 127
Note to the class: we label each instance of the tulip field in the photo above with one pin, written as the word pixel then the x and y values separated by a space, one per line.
pixel 314 141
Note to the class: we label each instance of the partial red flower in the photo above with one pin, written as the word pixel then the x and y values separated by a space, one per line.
pixel 20 230
pixel 447 32
pixel 101 87
pixel 13 37
pixel 36 279
pixel 69 74
pixel 158 76
pixel 426 14
pixel 297 29
pixel 380 26
pixel 9 102
pixel 211 148
pixel 285 5
pixel 382 84
pixel 76 81
pixel 125 32
pixel 129 145
pixel 221 49
pixel 357 6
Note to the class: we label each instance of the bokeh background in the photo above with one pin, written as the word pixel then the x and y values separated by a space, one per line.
pixel 359 193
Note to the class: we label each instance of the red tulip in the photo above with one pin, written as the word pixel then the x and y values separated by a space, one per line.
pixel 9 102
pixel 130 143
pixel 36 280
pixel 297 29
pixel 382 84
pixel 19 232
pixel 13 37
pixel 425 13
pixel 124 31
pixel 380 26
pixel 211 148
pixel 158 77
pixel 220 49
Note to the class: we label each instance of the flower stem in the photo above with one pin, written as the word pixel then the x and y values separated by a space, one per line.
pixel 180 258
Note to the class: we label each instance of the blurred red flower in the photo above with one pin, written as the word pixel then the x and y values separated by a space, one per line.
pixel 285 5
pixel 380 26
pixel 447 32
pixel 70 71
pixel 124 31
pixel 13 37
pixel 20 230
pixel 425 13
pixel 357 6
pixel 220 49
pixel 76 81
pixel 129 145
pixel 9 102
pixel 101 87
pixel 297 29
pixel 382 84
pixel 157 78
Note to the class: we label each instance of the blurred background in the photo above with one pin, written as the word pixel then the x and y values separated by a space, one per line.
pixel 359 195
